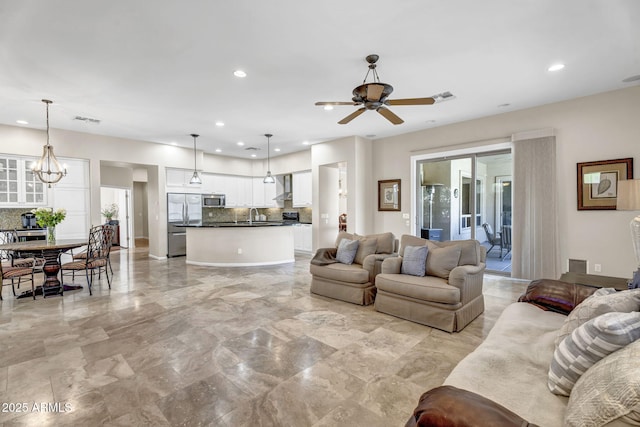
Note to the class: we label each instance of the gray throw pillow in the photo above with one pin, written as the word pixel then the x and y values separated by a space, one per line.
pixel 599 303
pixel 441 260
pixel 589 343
pixel 414 261
pixel 347 251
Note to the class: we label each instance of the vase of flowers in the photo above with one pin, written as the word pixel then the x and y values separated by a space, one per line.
pixel 110 212
pixel 47 217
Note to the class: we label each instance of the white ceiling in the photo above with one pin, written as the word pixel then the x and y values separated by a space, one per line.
pixel 158 71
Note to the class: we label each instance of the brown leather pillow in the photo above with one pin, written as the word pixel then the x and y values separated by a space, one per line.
pixel 448 406
pixel 554 295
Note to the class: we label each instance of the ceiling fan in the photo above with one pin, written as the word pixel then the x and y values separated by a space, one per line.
pixel 374 96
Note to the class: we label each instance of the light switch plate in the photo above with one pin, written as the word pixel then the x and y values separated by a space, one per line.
pixel 405 216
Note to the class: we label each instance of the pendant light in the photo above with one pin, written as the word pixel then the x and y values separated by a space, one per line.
pixel 195 179
pixel 48 169
pixel 269 179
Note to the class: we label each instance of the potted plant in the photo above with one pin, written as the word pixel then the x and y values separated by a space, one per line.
pixel 47 217
pixel 110 212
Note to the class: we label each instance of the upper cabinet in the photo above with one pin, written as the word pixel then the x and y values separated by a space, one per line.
pixel 178 181
pixel 18 185
pixel 302 189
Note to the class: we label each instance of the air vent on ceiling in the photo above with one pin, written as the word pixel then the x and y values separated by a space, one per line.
pixel 87 120
pixel 252 149
pixel 444 96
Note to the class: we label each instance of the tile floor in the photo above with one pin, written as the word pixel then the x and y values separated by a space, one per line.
pixel 173 344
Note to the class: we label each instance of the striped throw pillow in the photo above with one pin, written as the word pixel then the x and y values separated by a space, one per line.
pixel 589 343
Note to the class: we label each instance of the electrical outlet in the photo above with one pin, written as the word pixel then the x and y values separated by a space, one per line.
pixel 597 268
pixel 408 223
pixel 210 214
pixel 239 251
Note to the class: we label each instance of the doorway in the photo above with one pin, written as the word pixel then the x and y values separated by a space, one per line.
pixel 121 198
pixel 468 197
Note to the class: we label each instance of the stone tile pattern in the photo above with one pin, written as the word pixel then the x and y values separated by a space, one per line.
pixel 173 344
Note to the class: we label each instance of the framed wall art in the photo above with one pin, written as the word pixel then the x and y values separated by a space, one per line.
pixel 389 195
pixel 598 183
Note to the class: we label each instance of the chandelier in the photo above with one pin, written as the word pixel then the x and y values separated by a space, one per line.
pixel 48 169
pixel 195 179
pixel 269 179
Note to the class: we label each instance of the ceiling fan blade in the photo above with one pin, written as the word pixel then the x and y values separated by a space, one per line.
pixel 389 115
pixel 352 116
pixel 336 103
pixel 374 92
pixel 411 101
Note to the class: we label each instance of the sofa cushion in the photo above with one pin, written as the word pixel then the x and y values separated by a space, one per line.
pixel 469 250
pixel 441 260
pixel 386 242
pixel 608 391
pixel 366 247
pixel 344 235
pixel 414 261
pixel 589 343
pixel 554 295
pixel 409 240
pixel 432 289
pixel 347 251
pixel 511 365
pixel 349 273
pixel 597 304
pixel 448 406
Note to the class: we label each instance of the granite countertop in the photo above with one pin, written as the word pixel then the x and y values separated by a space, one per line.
pixel 238 224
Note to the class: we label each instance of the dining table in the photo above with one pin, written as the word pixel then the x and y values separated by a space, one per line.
pixel 50 251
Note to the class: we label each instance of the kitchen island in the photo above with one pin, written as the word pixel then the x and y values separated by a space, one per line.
pixel 241 244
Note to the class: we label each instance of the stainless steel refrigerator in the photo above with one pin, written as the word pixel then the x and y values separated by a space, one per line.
pixel 182 209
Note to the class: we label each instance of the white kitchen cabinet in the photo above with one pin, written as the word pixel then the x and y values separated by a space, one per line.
pixel 177 180
pixel 211 183
pixel 302 237
pixel 263 194
pixel 302 189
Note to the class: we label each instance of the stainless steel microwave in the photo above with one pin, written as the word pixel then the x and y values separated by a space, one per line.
pixel 213 200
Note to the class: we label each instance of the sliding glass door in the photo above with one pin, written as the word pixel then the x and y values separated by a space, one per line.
pixel 468 197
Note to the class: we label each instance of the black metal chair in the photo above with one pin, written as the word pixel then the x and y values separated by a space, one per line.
pixel 492 238
pixel 96 258
pixel 505 241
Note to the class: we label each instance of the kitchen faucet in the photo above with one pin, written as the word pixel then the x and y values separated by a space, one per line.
pixel 251 210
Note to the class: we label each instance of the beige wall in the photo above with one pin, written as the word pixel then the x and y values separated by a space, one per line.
pixel 599 127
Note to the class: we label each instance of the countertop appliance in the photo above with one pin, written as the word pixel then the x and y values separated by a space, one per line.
pixel 182 209
pixel 213 200
pixel 290 217
pixel 28 220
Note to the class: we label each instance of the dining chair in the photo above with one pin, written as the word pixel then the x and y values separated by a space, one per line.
pixel 12 273
pixel 82 254
pixel 492 238
pixel 96 258
pixel 12 259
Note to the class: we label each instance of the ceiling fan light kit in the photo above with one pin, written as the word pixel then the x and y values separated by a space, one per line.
pixel 374 96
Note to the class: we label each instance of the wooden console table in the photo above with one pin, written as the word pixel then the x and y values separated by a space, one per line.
pixel 596 281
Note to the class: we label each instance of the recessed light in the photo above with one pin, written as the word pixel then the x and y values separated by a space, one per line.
pixel 254 155
pixel 218 150
pixel 219 124
pixel 556 67
pixel 240 143
pixel 328 107
pixel 22 122
pixel 305 142
pixel 239 73
pixel 276 149
pixel 174 143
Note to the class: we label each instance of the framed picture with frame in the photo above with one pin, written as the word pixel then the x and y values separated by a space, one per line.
pixel 389 195
pixel 598 183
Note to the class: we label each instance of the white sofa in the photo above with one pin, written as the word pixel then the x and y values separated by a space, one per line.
pixel 511 368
